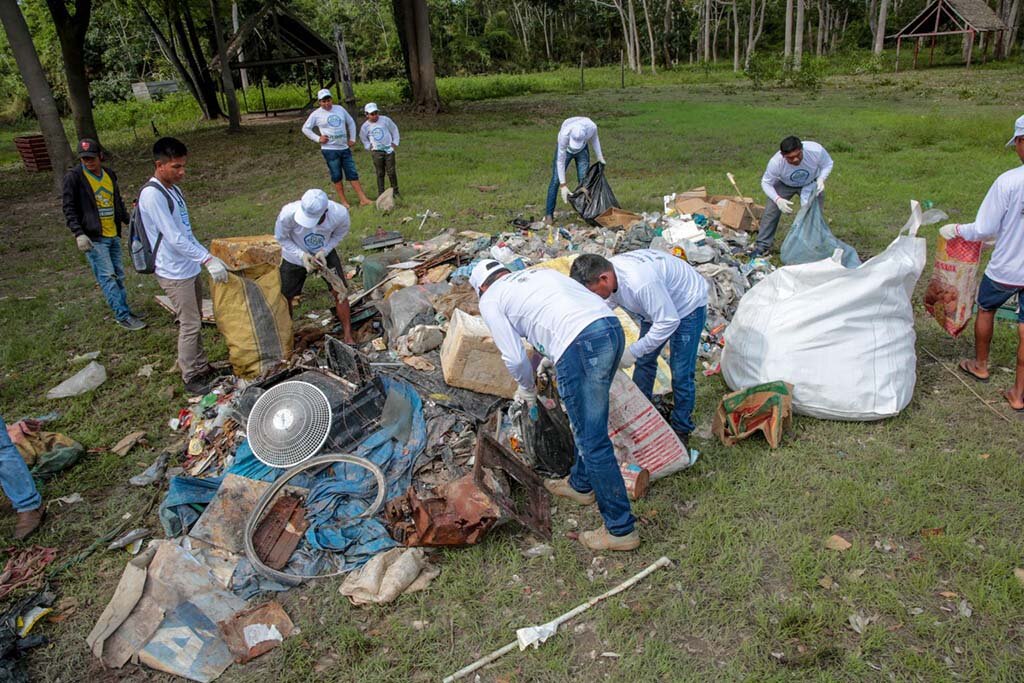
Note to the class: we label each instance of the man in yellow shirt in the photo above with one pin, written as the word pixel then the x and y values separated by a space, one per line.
pixel 95 212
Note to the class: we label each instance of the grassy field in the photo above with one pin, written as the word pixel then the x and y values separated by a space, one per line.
pixel 746 528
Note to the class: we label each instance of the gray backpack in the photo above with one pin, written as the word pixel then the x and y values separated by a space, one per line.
pixel 143 253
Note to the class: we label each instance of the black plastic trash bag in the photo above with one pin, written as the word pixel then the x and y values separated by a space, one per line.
pixel 810 239
pixel 594 196
pixel 548 440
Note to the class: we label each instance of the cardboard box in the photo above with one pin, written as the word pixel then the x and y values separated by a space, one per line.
pixel 239 253
pixel 618 218
pixel 735 215
pixel 471 360
pixel 692 205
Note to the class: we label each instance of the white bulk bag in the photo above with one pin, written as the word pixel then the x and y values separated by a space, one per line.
pixel 843 337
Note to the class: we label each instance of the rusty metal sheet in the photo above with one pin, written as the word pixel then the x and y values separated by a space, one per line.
pixel 457 513
pixel 280 531
pixel 526 485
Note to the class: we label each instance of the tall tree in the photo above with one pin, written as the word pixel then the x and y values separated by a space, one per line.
pixel 227 82
pixel 38 88
pixel 883 15
pixel 798 38
pixel 71 30
pixel 787 45
pixel 413 22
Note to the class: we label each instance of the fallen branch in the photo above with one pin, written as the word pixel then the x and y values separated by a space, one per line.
pixel 964 382
pixel 553 625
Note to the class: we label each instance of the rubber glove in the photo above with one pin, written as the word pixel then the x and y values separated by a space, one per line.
pixel 785 206
pixel 529 399
pixel 546 367
pixel 218 271
pixel 821 185
pixel 601 160
pixel 84 243
pixel 948 231
pixel 309 262
pixel 321 257
pixel 565 194
pixel 628 360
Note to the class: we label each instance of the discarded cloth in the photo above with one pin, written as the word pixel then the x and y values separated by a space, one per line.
pixel 389 575
pixel 767 408
pixel 179 509
pixel 24 567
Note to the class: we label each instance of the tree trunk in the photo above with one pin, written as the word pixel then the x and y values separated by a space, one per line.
pixel 413 22
pixel 38 88
pixel 753 37
pixel 872 13
pixel 227 82
pixel 883 15
pixel 787 45
pixel 736 36
pixel 707 31
pixel 666 51
pixel 346 72
pixel 243 73
pixel 822 10
pixel 650 33
pixel 635 35
pixel 71 32
pixel 798 39
pixel 171 54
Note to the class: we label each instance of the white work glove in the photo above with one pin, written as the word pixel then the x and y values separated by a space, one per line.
pixel 601 160
pixel 84 243
pixel 785 206
pixel 821 185
pixel 546 367
pixel 565 194
pixel 217 270
pixel 948 231
pixel 309 262
pixel 628 360
pixel 321 257
pixel 526 396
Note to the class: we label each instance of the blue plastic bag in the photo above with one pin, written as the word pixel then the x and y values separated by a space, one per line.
pixel 810 239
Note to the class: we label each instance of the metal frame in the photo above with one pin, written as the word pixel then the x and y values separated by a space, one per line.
pixel 944 12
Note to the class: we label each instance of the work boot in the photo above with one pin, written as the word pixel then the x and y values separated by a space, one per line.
pixel 28 522
pixel 600 539
pixel 131 323
pixel 562 488
pixel 200 386
pixel 685 438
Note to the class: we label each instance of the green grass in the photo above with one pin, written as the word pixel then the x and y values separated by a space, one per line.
pixel 745 528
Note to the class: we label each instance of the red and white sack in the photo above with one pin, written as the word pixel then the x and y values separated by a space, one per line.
pixel 950 294
pixel 639 434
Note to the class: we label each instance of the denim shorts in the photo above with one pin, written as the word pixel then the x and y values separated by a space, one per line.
pixel 341 164
pixel 992 295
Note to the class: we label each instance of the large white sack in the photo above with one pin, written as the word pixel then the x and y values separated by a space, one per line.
pixel 843 337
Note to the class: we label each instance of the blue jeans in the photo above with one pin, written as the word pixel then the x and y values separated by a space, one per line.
pixel 14 475
pixel 684 343
pixel 105 260
pixel 582 158
pixel 341 164
pixel 585 373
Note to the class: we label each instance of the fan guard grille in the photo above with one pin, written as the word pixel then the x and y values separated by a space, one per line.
pixel 289 424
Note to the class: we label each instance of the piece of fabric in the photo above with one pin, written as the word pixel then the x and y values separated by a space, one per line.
pixel 992 295
pixel 578 129
pixel 389 575
pixel 180 255
pixel 293 277
pixel 103 194
pixel 582 159
pixel 384 163
pixel 547 308
pixel 766 408
pixel 79 204
pixel 296 240
pixel 341 164
pixel 379 136
pixel 585 372
pixel 816 163
pixel 683 345
pixel 24 567
pixel 14 475
pixel 187 300
pixel 184 503
pixel 770 218
pixel 336 123
pixel 105 260
pixel 1001 218
pixel 660 289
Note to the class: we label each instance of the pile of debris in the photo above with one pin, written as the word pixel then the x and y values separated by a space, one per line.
pixel 340 460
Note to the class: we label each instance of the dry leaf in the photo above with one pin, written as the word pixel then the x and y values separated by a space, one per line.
pixel 935 531
pixel 855 573
pixel 984 456
pixel 420 363
pixel 859 622
pixel 127 443
pixel 1019 573
pixel 837 542
pixel 948 594
pixel 964 609
pixel 826 582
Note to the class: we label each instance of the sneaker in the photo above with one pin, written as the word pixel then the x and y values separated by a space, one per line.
pixel 600 539
pixel 562 488
pixel 131 323
pixel 685 438
pixel 548 220
pixel 756 251
pixel 27 523
pixel 200 386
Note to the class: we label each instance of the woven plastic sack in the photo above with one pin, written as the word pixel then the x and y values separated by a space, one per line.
pixel 950 294
pixel 810 239
pixel 252 314
pixel 594 196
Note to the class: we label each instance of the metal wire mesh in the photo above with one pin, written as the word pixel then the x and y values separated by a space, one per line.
pixel 289 424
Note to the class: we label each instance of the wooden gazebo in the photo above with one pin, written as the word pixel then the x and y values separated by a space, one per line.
pixel 948 18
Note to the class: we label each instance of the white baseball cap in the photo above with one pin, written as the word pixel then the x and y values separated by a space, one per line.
pixel 1018 130
pixel 311 208
pixel 370 107
pixel 482 271
pixel 577 140
pixel 323 93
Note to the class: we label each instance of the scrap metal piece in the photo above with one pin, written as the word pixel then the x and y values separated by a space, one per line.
pixel 535 512
pixel 457 513
pixel 256 631
pixel 279 533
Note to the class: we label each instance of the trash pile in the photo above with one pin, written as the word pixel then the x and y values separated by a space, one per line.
pixel 330 460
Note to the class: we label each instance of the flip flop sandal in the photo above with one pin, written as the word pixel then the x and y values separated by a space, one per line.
pixel 962 367
pixel 1006 395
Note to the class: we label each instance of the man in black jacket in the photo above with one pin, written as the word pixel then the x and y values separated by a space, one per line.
pixel 95 212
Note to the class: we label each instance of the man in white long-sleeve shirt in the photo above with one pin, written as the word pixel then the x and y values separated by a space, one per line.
pixel 336 135
pixel 581 336
pixel 179 258
pixel 1000 220
pixel 380 137
pixel 308 231
pixel 670 298
pixel 798 167
pixel 573 139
